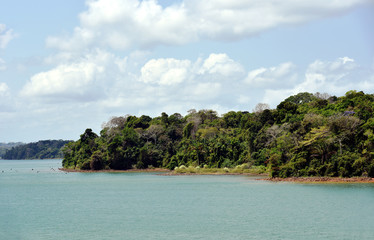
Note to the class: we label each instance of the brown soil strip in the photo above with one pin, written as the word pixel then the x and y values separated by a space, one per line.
pixel 322 180
pixel 167 172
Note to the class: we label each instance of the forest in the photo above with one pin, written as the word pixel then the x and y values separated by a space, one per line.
pixel 305 135
pixel 44 149
pixel 6 146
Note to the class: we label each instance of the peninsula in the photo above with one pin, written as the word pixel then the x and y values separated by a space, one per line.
pixel 306 135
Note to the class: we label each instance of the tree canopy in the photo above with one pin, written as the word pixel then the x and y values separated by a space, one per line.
pixel 37 150
pixel 306 135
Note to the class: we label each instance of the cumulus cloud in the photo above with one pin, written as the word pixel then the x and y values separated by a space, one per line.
pixel 165 71
pixel 81 80
pixel 334 77
pixel 186 82
pixel 116 83
pixel 121 24
pixel 193 83
pixel 280 75
pixel 170 71
pixel 4 89
pixel 221 64
pixel 106 82
pixel 6 35
pixel 64 79
pixel 329 76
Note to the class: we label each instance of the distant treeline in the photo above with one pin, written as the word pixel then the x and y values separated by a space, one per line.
pixel 37 150
pixel 6 146
pixel 306 135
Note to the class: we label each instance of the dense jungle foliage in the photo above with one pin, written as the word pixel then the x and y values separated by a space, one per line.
pixel 306 135
pixel 37 150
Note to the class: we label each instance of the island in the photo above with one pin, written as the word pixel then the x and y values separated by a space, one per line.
pixel 44 149
pixel 306 135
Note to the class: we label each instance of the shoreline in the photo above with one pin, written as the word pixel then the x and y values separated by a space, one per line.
pixel 261 177
pixel 321 180
pixel 162 171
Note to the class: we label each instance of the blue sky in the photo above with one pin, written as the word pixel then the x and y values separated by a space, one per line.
pixel 70 65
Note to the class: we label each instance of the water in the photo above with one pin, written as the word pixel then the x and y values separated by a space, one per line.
pixel 39 202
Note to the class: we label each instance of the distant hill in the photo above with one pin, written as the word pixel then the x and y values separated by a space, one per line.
pixel 36 150
pixel 6 146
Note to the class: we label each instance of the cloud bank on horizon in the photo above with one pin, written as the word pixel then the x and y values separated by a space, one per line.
pixel 107 64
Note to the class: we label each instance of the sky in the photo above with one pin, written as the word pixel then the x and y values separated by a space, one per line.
pixel 68 65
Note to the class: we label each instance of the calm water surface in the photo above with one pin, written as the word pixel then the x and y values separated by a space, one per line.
pixel 39 202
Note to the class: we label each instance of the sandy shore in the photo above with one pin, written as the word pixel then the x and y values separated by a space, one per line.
pixel 261 177
pixel 322 180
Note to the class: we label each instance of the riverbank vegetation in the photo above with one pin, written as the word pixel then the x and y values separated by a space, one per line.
pixel 240 169
pixel 306 135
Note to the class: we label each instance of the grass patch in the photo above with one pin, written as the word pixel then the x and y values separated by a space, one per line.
pixel 241 169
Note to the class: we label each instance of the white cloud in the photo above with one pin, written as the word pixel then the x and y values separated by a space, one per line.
pixel 220 64
pixel 170 71
pixel 119 83
pixel 346 59
pixel 81 80
pixel 165 71
pixel 121 24
pixel 70 79
pixel 101 84
pixel 108 84
pixel 6 35
pixel 330 76
pixel 273 77
pixel 344 64
pixel 333 77
pixel 4 89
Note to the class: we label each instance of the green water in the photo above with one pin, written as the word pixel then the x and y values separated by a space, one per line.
pixel 39 202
